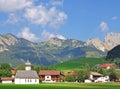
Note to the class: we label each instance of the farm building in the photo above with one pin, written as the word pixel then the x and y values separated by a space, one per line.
pixel 97 77
pixel 108 65
pixel 7 80
pixel 26 76
pixel 50 75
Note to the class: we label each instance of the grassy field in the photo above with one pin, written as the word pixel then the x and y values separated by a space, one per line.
pixel 79 63
pixel 63 86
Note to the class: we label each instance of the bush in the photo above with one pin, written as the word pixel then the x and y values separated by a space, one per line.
pixel 70 78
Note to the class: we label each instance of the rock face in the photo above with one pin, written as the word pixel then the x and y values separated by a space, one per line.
pixel 56 41
pixel 96 43
pixel 7 40
pixel 111 40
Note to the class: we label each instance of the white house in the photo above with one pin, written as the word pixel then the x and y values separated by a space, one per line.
pixel 97 77
pixel 50 75
pixel 26 76
pixel 92 77
pixel 103 79
pixel 7 80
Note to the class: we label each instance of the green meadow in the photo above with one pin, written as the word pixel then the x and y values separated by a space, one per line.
pixel 63 86
pixel 79 63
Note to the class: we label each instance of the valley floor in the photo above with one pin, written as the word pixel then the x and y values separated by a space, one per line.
pixel 63 86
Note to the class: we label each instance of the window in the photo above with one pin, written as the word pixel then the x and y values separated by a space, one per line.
pixel 35 80
pixel 30 80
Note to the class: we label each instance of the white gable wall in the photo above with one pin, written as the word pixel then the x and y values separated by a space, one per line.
pixel 91 76
pixel 48 78
pixel 26 81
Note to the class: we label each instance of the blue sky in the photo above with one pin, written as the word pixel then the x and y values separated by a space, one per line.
pixel 40 20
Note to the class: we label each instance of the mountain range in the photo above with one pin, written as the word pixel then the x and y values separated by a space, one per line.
pixel 17 50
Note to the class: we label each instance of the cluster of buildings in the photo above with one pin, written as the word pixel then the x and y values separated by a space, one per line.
pixel 97 77
pixel 29 76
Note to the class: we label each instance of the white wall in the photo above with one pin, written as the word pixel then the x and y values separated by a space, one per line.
pixel 88 81
pixel 91 76
pixel 102 79
pixel 47 78
pixel 26 81
pixel 8 81
pixel 27 68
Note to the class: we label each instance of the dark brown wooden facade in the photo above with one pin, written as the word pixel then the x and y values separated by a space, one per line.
pixel 53 74
pixel 53 78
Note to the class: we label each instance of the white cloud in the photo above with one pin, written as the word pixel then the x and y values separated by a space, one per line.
pixel 13 5
pixel 104 26
pixel 26 34
pixel 56 18
pixel 114 18
pixel 47 36
pixel 56 2
pixel 60 37
pixel 43 16
pixel 12 19
pixel 37 15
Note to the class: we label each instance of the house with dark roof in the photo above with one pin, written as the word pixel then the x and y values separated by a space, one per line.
pixel 26 76
pixel 50 75
pixel 95 75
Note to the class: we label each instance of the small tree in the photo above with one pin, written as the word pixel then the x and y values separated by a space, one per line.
pixel 102 71
pixel 37 68
pixel 5 73
pixel 5 66
pixel 5 70
pixel 113 76
pixel 20 67
pixel 70 78
pixel 82 75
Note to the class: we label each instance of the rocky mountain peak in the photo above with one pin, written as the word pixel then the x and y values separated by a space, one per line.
pixel 97 43
pixel 7 40
pixel 56 41
pixel 111 40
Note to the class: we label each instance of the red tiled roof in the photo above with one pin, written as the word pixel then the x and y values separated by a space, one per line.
pixel 107 65
pixel 7 78
pixel 49 72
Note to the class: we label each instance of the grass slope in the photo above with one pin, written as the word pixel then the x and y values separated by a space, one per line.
pixel 79 63
pixel 63 86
